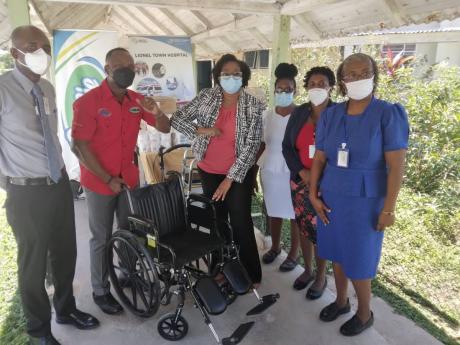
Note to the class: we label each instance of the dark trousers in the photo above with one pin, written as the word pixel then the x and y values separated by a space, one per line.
pixel 237 205
pixel 43 221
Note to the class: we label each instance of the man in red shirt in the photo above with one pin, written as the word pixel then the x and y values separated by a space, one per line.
pixel 105 128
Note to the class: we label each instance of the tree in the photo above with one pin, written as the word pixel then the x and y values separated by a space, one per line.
pixel 6 62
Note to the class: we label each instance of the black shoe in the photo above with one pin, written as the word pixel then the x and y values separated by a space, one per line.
pixel 355 326
pixel 288 265
pixel 79 319
pixel 332 311
pixel 315 294
pixel 270 256
pixel 48 340
pixel 108 304
pixel 300 284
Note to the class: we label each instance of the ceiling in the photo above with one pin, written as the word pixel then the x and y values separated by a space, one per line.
pixel 219 26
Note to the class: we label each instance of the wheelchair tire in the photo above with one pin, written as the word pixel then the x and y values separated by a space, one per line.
pixel 170 330
pixel 133 274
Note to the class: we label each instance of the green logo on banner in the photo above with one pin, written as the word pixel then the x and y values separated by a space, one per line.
pixel 82 79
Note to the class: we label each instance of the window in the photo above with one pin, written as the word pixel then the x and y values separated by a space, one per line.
pixel 258 59
pixel 407 49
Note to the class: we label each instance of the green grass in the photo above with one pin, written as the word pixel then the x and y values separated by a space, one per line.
pixel 419 272
pixel 12 323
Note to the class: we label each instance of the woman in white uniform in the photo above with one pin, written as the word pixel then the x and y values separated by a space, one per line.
pixel 274 172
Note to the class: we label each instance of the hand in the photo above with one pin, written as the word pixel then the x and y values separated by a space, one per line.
pixel 222 190
pixel 116 184
pixel 385 220
pixel 209 132
pixel 320 208
pixel 305 176
pixel 149 105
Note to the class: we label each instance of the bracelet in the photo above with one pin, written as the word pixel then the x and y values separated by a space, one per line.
pixel 389 213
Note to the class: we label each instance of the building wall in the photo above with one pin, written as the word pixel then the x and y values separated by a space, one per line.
pixel 427 50
pixel 448 51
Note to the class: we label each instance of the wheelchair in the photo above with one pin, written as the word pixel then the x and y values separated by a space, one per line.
pixel 175 246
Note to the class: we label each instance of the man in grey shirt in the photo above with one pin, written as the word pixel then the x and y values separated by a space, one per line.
pixel 39 204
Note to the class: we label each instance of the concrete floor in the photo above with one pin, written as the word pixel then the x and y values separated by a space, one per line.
pixel 291 321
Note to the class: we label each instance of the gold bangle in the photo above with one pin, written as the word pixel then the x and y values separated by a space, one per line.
pixel 389 213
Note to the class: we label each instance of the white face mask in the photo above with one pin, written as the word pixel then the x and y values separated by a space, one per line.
pixel 318 96
pixel 38 61
pixel 360 89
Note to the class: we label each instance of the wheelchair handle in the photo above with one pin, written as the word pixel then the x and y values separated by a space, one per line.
pixel 162 152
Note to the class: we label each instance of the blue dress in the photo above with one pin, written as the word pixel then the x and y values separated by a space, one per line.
pixel 356 194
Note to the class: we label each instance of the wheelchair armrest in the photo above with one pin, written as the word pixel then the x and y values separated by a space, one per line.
pixel 200 198
pixel 139 220
pixel 147 223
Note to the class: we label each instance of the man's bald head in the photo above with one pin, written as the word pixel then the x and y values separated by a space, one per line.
pixel 27 34
pixel 28 39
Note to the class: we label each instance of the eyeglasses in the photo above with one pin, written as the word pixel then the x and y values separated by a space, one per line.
pixel 234 75
pixel 355 77
pixel 287 90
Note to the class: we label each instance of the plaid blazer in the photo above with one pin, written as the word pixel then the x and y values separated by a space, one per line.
pixel 203 110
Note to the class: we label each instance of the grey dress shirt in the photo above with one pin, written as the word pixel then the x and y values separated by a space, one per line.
pixel 22 145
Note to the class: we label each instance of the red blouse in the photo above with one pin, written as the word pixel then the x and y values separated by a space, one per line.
pixel 220 154
pixel 305 144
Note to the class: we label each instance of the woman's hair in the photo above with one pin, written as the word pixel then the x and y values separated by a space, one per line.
pixel 286 71
pixel 231 58
pixel 360 57
pixel 323 70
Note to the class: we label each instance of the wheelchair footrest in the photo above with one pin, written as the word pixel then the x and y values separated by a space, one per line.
pixel 239 334
pixel 210 295
pixel 237 277
pixel 265 303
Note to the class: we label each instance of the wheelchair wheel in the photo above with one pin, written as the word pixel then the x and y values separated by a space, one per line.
pixel 133 274
pixel 171 330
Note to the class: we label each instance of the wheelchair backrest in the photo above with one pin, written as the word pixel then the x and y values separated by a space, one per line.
pixel 163 203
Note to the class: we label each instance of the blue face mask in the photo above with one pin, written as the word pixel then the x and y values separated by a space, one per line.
pixel 284 99
pixel 231 84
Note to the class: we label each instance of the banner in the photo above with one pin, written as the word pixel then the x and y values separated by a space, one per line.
pixel 164 66
pixel 79 66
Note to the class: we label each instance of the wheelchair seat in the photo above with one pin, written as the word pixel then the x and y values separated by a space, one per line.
pixel 188 246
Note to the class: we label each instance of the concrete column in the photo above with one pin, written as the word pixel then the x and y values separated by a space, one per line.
pixel 281 49
pixel 194 62
pixel 18 12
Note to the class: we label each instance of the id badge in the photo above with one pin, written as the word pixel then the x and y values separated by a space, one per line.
pixel 311 151
pixel 343 156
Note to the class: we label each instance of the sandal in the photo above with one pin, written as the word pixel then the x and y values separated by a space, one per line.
pixel 355 326
pixel 288 265
pixel 270 256
pixel 332 311
pixel 300 284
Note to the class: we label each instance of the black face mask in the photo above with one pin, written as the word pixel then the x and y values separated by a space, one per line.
pixel 123 77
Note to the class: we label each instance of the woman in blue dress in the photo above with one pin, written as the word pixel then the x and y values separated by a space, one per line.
pixel 355 180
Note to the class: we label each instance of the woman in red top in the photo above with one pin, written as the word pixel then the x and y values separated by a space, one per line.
pixel 298 151
pixel 225 126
